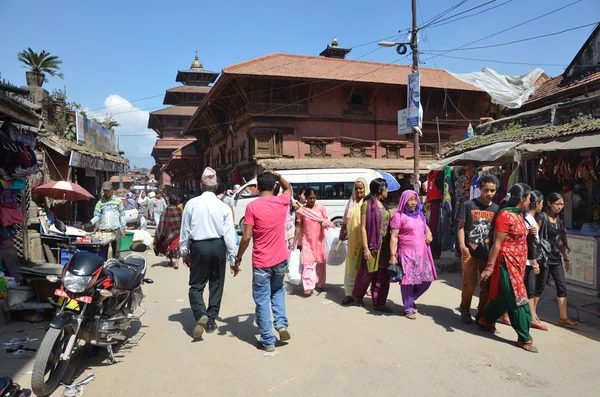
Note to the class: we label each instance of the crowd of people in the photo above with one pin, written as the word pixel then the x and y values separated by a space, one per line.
pixel 508 250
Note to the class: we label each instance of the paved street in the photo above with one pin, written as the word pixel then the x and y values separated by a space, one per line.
pixel 334 350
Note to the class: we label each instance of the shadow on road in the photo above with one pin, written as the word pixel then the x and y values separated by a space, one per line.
pixel 164 263
pixel 241 327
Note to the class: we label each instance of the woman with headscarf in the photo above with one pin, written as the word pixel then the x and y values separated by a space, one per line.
pixel 409 246
pixel 375 221
pixel 351 230
pixel 166 239
pixel 143 209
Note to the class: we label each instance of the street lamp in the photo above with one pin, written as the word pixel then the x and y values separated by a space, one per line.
pixel 400 47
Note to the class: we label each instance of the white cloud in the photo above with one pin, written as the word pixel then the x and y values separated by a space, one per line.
pixel 133 122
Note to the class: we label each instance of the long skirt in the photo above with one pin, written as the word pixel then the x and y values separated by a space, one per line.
pixel 311 273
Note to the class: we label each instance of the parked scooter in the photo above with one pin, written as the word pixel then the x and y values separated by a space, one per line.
pixel 99 301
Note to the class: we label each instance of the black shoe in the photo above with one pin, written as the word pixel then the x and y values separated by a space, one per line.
pixel 211 326
pixel 466 318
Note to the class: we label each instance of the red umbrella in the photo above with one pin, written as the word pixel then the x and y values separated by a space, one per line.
pixel 62 190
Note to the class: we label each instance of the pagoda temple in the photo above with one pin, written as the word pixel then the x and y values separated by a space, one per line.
pixel 168 123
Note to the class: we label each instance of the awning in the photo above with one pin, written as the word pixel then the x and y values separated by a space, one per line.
pixel 483 154
pixel 575 143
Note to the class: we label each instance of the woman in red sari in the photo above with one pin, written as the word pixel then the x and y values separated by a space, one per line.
pixel 507 262
pixel 166 238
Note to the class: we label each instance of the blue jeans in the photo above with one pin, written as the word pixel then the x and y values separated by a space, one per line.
pixel 267 291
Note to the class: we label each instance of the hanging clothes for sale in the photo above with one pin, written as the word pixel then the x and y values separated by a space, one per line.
pixel 515 177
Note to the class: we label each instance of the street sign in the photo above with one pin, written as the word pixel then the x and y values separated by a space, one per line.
pixel 403 128
pixel 413 100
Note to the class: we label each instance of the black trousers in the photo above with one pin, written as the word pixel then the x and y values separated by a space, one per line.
pixel 558 275
pixel 207 265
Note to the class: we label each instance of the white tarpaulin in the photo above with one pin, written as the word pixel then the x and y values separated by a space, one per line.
pixel 483 154
pixel 576 143
pixel 509 91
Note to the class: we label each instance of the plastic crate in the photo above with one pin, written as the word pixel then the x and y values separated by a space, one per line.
pixel 126 241
pixel 65 257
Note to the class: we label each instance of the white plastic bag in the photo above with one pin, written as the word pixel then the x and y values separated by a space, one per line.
pixel 335 253
pixel 294 270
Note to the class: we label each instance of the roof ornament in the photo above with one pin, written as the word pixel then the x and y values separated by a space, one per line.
pixel 335 42
pixel 196 64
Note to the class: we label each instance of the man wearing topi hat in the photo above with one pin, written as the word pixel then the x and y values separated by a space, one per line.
pixel 207 237
pixel 109 214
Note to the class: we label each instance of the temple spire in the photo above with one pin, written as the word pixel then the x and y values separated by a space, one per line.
pixel 196 64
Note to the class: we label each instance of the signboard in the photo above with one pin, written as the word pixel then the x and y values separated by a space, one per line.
pixel 413 100
pixel 92 133
pixel 79 160
pixel 403 128
pixel 583 258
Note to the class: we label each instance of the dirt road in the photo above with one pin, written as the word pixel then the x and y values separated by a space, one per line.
pixel 335 350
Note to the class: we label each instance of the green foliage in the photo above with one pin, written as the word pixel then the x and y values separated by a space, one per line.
pixel 63 127
pixel 109 122
pixel 582 119
pixel 42 62
pixel 59 95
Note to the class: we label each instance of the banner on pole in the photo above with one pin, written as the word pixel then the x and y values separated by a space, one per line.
pixel 413 101
pixel 403 127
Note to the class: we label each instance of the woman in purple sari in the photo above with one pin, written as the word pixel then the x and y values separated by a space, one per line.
pixel 409 247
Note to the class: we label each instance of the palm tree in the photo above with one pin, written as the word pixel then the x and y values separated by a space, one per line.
pixel 39 64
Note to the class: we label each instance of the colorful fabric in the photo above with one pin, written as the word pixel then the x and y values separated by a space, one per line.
pixel 355 250
pixel 513 254
pixel 313 233
pixel 403 207
pixel 267 217
pixel 410 293
pixel 384 225
pixel 504 302
pixel 373 212
pixel 168 230
pixel 10 215
pixel 313 274
pixel 352 203
pixel 109 213
pixel 413 252
pixel 379 281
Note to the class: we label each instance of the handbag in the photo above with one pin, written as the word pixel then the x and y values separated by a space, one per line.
pixel 396 272
pixel 545 247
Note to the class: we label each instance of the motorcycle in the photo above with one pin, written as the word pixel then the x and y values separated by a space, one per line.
pixel 99 302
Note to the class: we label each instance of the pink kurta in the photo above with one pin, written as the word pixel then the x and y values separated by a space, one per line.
pixel 313 236
pixel 413 252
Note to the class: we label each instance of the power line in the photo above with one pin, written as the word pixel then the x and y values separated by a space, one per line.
pixel 469 16
pixel 507 62
pixel 449 10
pixel 510 28
pixel 301 60
pixel 455 15
pixel 518 41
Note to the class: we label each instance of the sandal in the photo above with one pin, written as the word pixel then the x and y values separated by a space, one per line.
pixel 415 308
pixel 308 292
pixel 382 308
pixel 359 302
pixel 528 346
pixel 568 323
pixel 347 300
pixel 504 320
pixel 369 293
pixel 487 327
pixel 539 326
pixel 410 316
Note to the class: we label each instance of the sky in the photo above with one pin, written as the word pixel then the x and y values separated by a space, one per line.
pixel 119 57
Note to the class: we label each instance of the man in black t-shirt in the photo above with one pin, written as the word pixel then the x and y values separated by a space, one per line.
pixel 474 224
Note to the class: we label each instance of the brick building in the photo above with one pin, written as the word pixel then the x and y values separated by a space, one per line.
pixel 286 111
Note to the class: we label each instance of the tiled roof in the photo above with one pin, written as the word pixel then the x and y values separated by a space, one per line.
pixel 560 85
pixel 190 88
pixel 389 165
pixel 175 111
pixel 65 146
pixel 172 143
pixel 320 68
pixel 126 179
pixel 527 134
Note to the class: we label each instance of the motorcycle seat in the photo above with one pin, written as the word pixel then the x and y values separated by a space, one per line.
pixel 124 277
pixel 135 261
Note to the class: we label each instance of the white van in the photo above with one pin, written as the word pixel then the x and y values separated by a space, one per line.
pixel 333 186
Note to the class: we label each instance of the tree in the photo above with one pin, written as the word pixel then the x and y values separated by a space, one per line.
pixel 110 123
pixel 43 62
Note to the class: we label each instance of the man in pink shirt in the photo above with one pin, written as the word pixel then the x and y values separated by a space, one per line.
pixel 265 223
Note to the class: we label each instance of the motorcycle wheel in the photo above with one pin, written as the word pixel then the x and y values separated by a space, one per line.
pixel 48 368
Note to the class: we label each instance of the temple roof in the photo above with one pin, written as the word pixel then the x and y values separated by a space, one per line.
pixel 196 74
pixel 175 111
pixel 185 94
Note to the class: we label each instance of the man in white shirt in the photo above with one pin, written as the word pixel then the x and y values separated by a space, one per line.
pixel 207 237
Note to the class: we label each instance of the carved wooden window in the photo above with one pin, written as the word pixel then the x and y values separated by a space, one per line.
pixel 358 102
pixel 393 148
pixel 266 142
pixel 318 146
pixel 357 148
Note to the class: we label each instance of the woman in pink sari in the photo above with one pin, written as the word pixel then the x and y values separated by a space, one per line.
pixel 409 247
pixel 311 222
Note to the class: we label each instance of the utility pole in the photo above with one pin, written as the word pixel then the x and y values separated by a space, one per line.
pixel 415 68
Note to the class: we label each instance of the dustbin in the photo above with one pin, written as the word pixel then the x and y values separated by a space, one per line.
pixel 126 241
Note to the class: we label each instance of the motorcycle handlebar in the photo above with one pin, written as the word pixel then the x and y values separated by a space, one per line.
pixel 67 247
